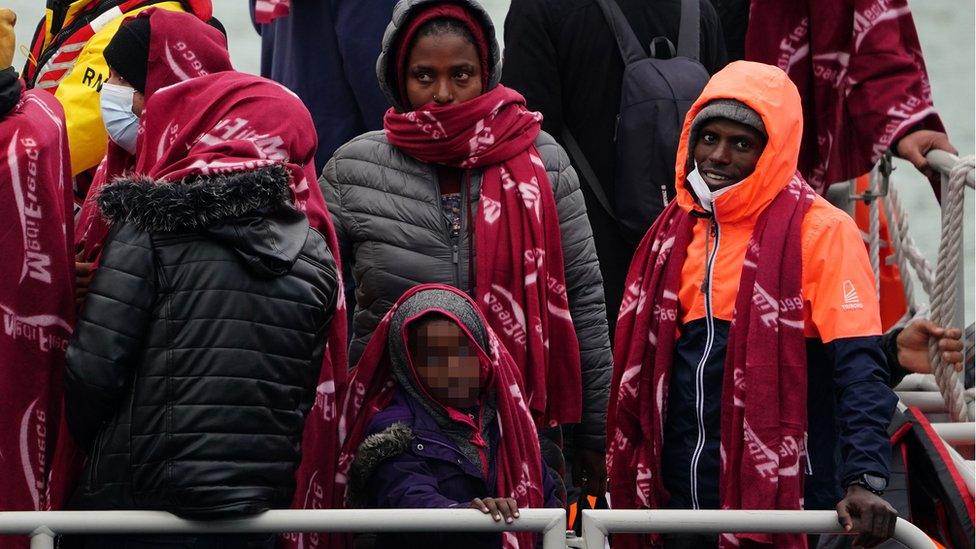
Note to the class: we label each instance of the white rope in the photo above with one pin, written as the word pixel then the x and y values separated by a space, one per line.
pixel 943 296
pixel 874 230
pixel 897 242
pixel 906 252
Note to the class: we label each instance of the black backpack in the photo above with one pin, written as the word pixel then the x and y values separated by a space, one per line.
pixel 655 95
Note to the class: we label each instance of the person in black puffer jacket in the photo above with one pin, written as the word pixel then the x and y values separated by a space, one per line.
pixel 201 341
pixel 197 353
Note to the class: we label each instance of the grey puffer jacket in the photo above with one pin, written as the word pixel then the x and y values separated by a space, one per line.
pixel 394 233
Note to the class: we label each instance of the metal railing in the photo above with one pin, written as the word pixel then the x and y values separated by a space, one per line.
pixel 598 523
pixel 925 401
pixel 957 434
pixel 43 526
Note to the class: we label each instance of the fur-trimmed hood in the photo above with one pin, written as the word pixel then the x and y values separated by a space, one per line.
pixel 250 212
pixel 375 449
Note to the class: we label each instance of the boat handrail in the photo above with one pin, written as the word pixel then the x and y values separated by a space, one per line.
pixel 43 526
pixel 598 523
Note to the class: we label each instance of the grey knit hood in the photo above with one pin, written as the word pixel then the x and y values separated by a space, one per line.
pixel 422 303
pixel 403 12
pixel 730 109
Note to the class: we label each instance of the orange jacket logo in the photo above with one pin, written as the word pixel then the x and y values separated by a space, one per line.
pixel 851 299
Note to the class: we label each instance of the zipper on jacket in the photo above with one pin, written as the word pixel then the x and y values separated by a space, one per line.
pixel 446 225
pixel 456 259
pixel 806 444
pixel 465 207
pixel 713 231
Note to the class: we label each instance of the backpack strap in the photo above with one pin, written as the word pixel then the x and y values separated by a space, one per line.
pixel 628 44
pixel 688 39
pixel 585 171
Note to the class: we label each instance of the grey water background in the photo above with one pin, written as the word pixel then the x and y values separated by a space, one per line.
pixel 946 29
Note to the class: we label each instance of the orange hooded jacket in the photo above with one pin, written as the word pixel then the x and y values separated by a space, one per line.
pixel 838 284
pixel 849 402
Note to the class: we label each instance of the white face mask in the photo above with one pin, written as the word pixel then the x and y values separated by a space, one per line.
pixel 706 196
pixel 120 122
pixel 701 189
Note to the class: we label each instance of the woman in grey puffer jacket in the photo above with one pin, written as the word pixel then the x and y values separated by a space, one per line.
pixel 403 222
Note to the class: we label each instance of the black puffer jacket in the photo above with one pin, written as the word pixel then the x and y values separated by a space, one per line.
pixel 195 358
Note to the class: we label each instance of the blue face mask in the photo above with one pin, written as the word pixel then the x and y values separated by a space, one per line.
pixel 120 122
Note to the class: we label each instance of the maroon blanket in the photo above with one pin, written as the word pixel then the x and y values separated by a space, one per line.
pixel 520 280
pixel 763 427
pixel 181 47
pixel 36 299
pixel 859 68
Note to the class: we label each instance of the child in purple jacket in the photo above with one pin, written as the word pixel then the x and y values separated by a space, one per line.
pixel 436 443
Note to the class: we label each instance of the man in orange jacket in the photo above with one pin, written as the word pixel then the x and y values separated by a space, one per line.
pixel 747 348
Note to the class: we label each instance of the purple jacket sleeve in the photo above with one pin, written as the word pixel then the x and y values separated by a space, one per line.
pixel 407 482
pixel 553 491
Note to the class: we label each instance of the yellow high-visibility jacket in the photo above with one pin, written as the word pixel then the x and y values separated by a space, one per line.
pixel 75 72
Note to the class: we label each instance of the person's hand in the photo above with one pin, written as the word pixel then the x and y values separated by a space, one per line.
pixel 914 146
pixel 497 508
pixel 913 346
pixel 590 471
pixel 8 39
pixel 84 272
pixel 865 513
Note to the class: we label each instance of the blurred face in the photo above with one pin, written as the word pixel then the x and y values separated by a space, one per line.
pixel 444 69
pixel 138 100
pixel 727 152
pixel 446 363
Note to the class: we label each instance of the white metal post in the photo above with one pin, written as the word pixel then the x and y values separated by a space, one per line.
pixel 42 538
pixel 594 533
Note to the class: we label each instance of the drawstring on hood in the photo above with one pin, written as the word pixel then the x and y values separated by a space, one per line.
pixel 389 64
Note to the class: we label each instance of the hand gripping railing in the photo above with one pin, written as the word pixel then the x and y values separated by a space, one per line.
pixel 597 524
pixel 42 526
